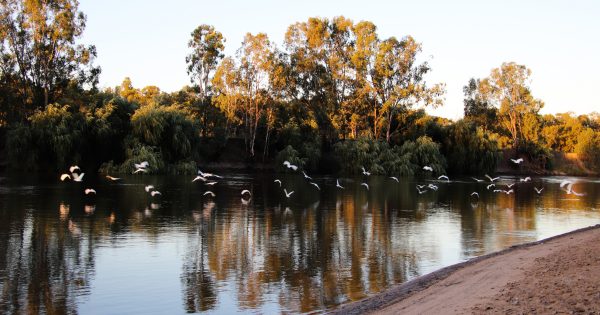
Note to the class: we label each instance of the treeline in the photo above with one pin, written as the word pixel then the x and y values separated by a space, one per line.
pixel 334 98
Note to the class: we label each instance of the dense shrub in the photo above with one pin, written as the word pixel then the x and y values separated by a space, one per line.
pixel 378 157
pixel 469 149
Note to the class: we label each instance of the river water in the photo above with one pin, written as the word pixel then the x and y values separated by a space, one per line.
pixel 123 251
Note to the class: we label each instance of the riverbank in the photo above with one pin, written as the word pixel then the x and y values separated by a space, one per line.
pixel 556 275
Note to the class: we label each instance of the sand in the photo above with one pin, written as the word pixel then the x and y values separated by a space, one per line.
pixel 559 275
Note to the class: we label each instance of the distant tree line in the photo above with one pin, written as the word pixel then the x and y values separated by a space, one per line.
pixel 334 98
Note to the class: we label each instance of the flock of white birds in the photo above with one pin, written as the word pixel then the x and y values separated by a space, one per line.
pixel 493 183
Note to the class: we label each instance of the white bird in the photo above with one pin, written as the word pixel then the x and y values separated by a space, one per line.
pixel 210 183
pixel 290 165
pixel 427 168
pixel 112 178
pixel 287 194
pixel 246 191
pixel 155 192
pixel 490 186
pixel 149 188
pixel 517 161
pixel 65 176
pixel 569 190
pixel 306 176
pixel 538 190
pixel 207 175
pixel 499 190
pixel 432 186
pixel 198 178
pixel 526 179
pixel 73 168
pixel 421 186
pixel 365 171
pixel 143 170
pixel 366 185
pixel 444 177
pixel 565 182
pixel 89 191
pixel 208 192
pixel 245 202
pixel 337 184
pixel 421 191
pixel 78 178
pixel 395 178
pixel 510 185
pixel 142 165
pixel 477 179
pixel 492 179
pixel 475 194
pixel 315 184
pixel 277 181
pixel 509 192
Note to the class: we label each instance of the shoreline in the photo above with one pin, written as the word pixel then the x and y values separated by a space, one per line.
pixel 396 299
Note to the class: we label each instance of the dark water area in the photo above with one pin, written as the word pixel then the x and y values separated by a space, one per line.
pixel 123 251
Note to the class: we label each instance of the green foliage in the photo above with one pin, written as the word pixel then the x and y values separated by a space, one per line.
pixel 170 128
pixel 588 148
pixel 378 157
pixel 21 152
pixel 469 149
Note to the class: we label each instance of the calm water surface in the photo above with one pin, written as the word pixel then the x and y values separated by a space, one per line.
pixel 124 252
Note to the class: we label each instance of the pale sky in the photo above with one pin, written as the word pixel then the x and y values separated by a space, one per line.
pixel 558 40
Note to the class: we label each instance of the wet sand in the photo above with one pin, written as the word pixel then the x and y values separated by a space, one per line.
pixel 558 275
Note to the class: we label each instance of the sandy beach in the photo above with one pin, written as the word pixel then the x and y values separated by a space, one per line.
pixel 558 275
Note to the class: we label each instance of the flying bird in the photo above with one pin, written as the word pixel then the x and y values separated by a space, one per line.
pixel 477 179
pixel 526 179
pixel 198 178
pixel 492 179
pixel 65 176
pixel 337 184
pixel 510 185
pixel 112 178
pixel 287 194
pixel 395 178
pixel 421 191
pixel 490 186
pixel 149 188
pixel 315 184
pixel 306 176
pixel 143 170
pixel 277 181
pixel 290 165
pixel 89 191
pixel 475 194
pixel 444 177
pixel 155 192
pixel 246 191
pixel 208 192
pixel 427 168
pixel 78 178
pixel 517 161
pixel 144 164
pixel 365 171
pixel 210 183
pixel 73 168
pixel 538 190
pixel 432 186
pixel 366 185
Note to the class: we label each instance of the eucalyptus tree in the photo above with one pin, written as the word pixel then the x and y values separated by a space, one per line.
pixel 40 50
pixel 207 45
pixel 320 69
pixel 399 82
pixel 507 88
pixel 256 62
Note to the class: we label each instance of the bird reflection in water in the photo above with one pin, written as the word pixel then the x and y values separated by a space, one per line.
pixel 63 210
pixel 89 209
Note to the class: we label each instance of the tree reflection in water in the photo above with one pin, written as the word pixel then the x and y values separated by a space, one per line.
pixel 267 253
